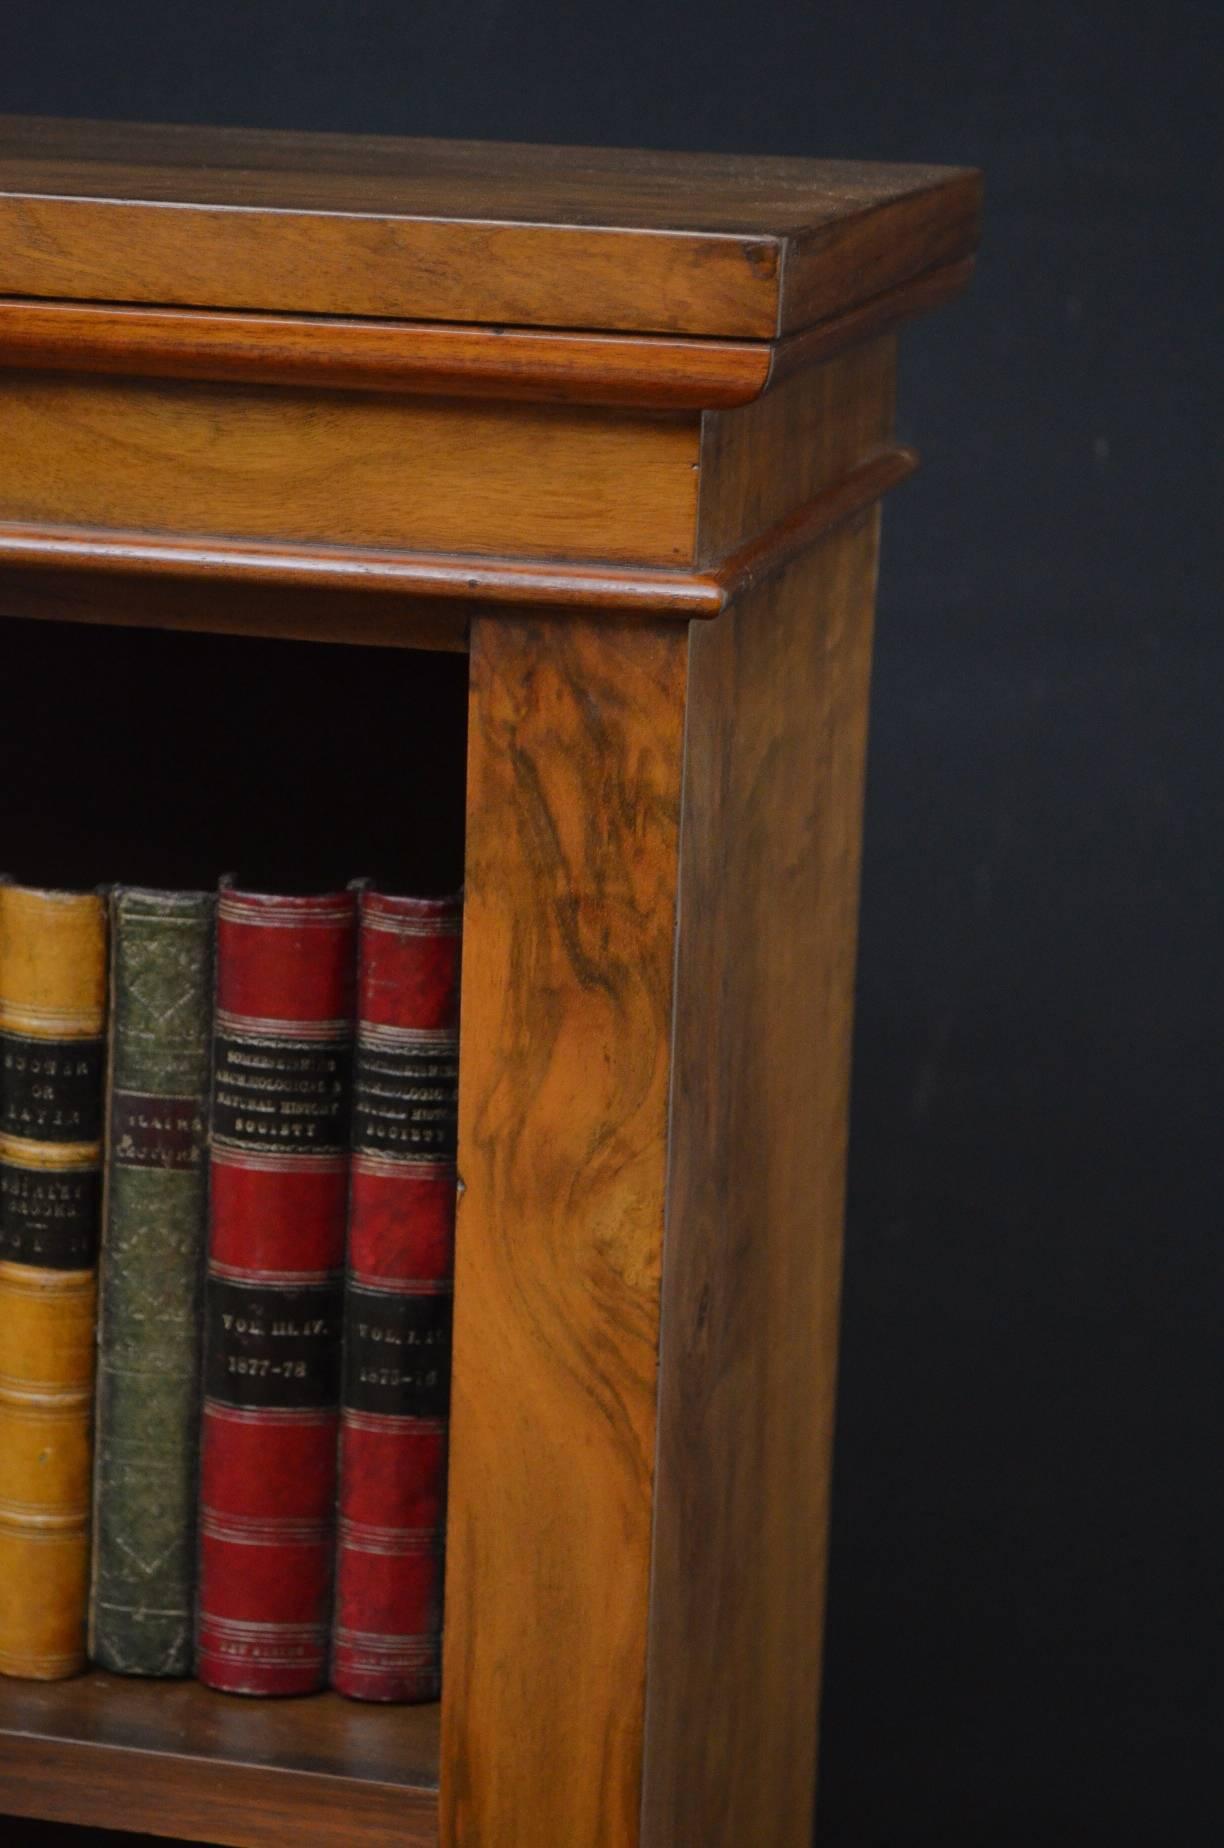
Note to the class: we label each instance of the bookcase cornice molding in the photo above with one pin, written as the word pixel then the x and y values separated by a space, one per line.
pixel 445 374
pixel 331 353
pixel 498 582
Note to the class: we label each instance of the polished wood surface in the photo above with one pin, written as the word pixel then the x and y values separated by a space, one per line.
pixel 352 469
pixel 761 463
pixel 516 182
pixel 162 567
pixel 763 557
pixel 548 406
pixel 453 231
pixel 173 1758
pixel 769 856
pixel 573 817
pixel 327 353
pixel 746 489
pixel 359 570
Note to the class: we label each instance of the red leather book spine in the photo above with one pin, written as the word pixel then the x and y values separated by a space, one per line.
pixel 386 1640
pixel 278 1187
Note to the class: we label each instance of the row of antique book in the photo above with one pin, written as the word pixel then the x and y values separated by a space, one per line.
pixel 227 1148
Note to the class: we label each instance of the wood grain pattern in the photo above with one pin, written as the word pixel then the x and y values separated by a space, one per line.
pixel 362 570
pixel 853 257
pixel 773 476
pixel 263 572
pixel 630 188
pixel 351 469
pixel 453 231
pixel 773 550
pixel 765 968
pixel 327 353
pixel 175 1759
pixel 383 264
pixel 761 462
pixel 573 812
pixel 549 405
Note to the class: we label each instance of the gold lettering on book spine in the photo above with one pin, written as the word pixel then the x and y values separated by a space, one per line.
pixel 52 989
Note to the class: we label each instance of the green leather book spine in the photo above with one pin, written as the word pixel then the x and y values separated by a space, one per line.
pixel 151 1267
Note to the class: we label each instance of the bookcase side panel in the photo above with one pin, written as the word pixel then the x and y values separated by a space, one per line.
pixel 765 967
pixel 575 746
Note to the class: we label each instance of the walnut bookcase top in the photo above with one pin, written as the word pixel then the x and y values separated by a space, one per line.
pixel 528 376
pixel 580 238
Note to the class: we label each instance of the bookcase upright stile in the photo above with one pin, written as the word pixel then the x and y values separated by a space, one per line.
pixel 616 427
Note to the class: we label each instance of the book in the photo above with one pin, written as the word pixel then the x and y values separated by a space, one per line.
pixel 279 1162
pixel 52 1021
pixel 386 1638
pixel 150 1279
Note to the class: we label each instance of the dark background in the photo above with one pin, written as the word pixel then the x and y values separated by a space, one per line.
pixel 1025 1638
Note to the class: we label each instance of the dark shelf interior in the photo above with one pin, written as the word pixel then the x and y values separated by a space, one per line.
pixel 144 757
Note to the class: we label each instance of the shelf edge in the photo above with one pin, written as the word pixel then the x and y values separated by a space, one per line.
pixel 210 1800
pixel 648 590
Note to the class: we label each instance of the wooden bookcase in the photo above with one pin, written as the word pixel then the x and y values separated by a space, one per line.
pixel 591 444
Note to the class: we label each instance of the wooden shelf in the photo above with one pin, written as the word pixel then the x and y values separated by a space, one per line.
pixel 173 1758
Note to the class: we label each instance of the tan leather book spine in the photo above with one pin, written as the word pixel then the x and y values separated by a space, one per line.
pixel 52 1021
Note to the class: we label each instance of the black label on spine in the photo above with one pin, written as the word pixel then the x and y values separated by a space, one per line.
pixel 49 1216
pixel 50 1090
pixel 397 1352
pixel 405 1099
pixel 273 1345
pixel 283 1095
pixel 155 1132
